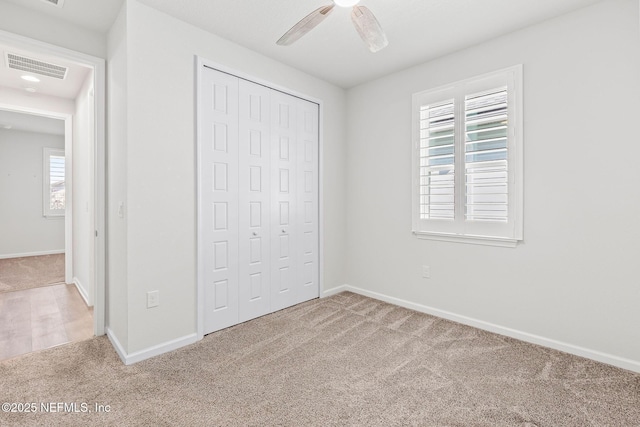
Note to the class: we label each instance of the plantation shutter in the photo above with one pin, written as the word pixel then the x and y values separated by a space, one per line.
pixel 53 182
pixel 468 160
pixel 486 156
pixel 437 161
pixel 56 182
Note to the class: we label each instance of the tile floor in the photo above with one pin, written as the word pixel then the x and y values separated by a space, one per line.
pixel 39 318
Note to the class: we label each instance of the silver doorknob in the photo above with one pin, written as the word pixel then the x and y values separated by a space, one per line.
pixel 254 233
pixel 283 230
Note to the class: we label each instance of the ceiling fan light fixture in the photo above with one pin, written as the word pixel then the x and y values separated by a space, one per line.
pixel 365 23
pixel 346 3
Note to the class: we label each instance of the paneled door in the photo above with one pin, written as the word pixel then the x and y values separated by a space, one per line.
pixel 254 193
pixel 218 180
pixel 307 201
pixel 258 228
pixel 284 289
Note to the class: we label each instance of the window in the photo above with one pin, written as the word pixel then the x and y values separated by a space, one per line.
pixel 467 160
pixel 53 179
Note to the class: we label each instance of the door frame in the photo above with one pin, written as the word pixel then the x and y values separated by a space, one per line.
pixel 200 64
pixel 98 65
pixel 67 118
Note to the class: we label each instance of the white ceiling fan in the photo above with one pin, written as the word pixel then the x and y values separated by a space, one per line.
pixel 366 24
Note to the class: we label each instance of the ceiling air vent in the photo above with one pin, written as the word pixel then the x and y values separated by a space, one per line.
pixel 57 3
pixel 29 65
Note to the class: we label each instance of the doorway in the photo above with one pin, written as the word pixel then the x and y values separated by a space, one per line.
pixel 39 307
pixel 83 114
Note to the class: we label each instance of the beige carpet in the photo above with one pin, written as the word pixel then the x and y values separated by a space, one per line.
pixel 17 274
pixel 344 360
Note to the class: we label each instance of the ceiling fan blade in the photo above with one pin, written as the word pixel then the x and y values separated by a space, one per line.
pixel 307 24
pixel 369 28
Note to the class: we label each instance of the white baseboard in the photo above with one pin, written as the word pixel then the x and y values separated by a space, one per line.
pixel 116 345
pixel 82 290
pixel 148 353
pixel 610 359
pixel 334 291
pixel 52 252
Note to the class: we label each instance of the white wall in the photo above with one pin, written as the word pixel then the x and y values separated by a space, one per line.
pixel 83 188
pixel 36 25
pixel 117 302
pixel 13 98
pixel 160 166
pixel 24 229
pixel 575 277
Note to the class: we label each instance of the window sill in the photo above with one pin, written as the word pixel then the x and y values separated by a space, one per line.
pixel 473 240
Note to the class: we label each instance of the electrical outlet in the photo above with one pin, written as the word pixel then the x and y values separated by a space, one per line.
pixel 153 299
pixel 426 272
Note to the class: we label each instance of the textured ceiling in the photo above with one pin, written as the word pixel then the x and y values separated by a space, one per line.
pixel 67 88
pixel 97 15
pixel 418 30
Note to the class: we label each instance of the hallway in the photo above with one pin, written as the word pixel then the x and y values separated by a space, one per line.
pixel 39 318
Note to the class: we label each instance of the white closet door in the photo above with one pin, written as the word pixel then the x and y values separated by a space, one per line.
pixel 258 200
pixel 254 159
pixel 283 201
pixel 218 169
pixel 306 217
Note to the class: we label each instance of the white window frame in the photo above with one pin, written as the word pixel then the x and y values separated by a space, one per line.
pixel 459 230
pixel 46 183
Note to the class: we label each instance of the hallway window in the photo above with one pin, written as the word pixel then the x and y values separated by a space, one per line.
pixel 53 182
